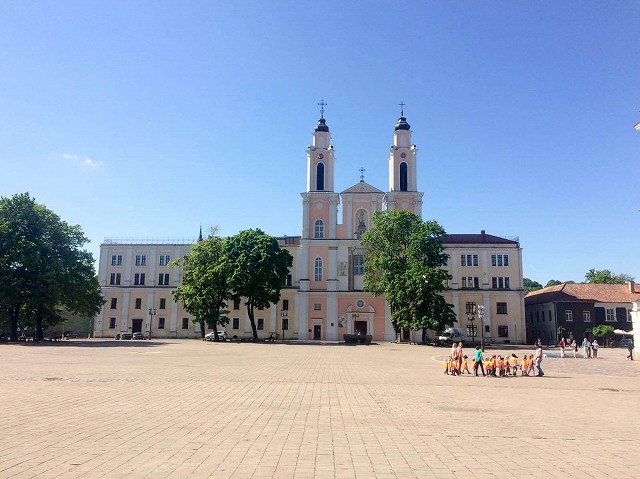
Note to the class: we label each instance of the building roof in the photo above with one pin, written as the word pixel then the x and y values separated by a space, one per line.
pixel 482 238
pixel 588 292
pixel 362 187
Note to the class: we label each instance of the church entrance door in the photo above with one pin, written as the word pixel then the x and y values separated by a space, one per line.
pixel 317 332
pixel 137 326
pixel 360 327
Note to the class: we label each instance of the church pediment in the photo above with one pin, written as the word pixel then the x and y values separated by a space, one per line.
pixel 362 187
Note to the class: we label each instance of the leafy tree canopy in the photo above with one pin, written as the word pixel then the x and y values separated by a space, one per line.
pixel 260 268
pixel 552 282
pixel 205 287
pixel 404 260
pixel 606 277
pixel 603 331
pixel 530 285
pixel 43 268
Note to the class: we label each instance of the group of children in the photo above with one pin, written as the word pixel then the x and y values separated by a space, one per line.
pixel 495 365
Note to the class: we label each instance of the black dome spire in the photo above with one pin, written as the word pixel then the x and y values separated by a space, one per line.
pixel 402 124
pixel 322 125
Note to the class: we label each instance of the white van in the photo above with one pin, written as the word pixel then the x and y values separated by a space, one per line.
pixel 454 335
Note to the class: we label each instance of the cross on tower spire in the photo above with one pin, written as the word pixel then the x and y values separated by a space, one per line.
pixel 362 170
pixel 401 108
pixel 322 104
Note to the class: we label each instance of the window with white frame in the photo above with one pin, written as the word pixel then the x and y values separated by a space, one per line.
pixel 116 260
pixel 468 260
pixel 317 307
pixel 163 303
pixel 138 279
pixel 112 323
pixel 163 279
pixel 114 278
pixel 141 260
pixel 318 229
pixel 501 308
pixel 586 316
pixel 470 282
pixel 499 260
pixel 317 269
pixel 470 307
pixel 164 260
pixel 358 265
pixel 500 282
pixel 610 314
pixel 568 315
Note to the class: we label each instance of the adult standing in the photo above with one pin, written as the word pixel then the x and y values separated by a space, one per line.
pixel 459 356
pixel 562 344
pixel 630 349
pixel 585 348
pixel 538 361
pixel 594 347
pixel 478 360
pixel 574 346
pixel 454 358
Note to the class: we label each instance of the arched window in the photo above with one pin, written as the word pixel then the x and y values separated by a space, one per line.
pixel 403 176
pixel 318 229
pixel 317 269
pixel 320 176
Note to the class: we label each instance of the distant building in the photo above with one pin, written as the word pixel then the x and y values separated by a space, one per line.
pixel 578 308
pixel 323 298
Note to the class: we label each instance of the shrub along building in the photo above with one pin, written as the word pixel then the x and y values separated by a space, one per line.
pixel 577 309
pixel 323 297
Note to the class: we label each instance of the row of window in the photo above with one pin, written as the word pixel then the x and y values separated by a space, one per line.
pixel 139 279
pixel 163 304
pixel 610 315
pixel 160 325
pixel 472 260
pixel 141 260
pixel 472 308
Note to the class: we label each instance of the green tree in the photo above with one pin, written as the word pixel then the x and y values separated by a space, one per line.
pixel 605 276
pixel 205 287
pixel 530 285
pixel 43 268
pixel 404 260
pixel 260 268
pixel 552 282
pixel 603 331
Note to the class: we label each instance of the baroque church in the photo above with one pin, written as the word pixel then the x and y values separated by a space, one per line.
pixel 323 298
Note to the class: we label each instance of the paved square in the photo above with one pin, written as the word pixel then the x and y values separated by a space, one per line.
pixel 171 408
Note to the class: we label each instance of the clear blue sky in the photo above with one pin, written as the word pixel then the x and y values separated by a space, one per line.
pixel 147 119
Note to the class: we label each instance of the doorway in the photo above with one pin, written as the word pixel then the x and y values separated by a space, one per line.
pixel 360 327
pixel 137 326
pixel 317 332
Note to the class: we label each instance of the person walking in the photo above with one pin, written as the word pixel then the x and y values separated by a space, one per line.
pixel 562 344
pixel 459 356
pixel 594 347
pixel 630 349
pixel 585 348
pixel 574 346
pixel 538 361
pixel 478 360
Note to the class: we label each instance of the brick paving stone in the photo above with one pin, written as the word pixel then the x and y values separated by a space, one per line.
pixel 173 409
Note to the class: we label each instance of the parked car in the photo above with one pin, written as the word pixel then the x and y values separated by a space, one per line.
pixel 125 335
pixel 71 335
pixel 222 335
pixel 137 336
pixel 453 335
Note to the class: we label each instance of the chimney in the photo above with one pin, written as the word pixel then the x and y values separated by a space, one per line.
pixel 482 233
pixel 632 287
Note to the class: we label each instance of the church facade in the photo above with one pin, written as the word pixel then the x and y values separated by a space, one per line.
pixel 323 298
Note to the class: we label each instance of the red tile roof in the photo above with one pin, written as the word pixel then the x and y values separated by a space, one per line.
pixel 598 293
pixel 474 238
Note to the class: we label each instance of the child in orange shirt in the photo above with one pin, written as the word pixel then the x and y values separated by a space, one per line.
pixel 530 363
pixel 524 366
pixel 465 365
pixel 513 362
pixel 446 364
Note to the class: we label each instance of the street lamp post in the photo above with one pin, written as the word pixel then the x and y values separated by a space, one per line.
pixel 481 316
pixel 471 327
pixel 284 316
pixel 152 312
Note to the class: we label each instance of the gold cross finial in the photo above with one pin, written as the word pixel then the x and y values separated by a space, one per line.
pixel 322 104
pixel 362 170
pixel 401 108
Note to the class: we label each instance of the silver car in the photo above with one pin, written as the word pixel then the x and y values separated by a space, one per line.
pixel 222 335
